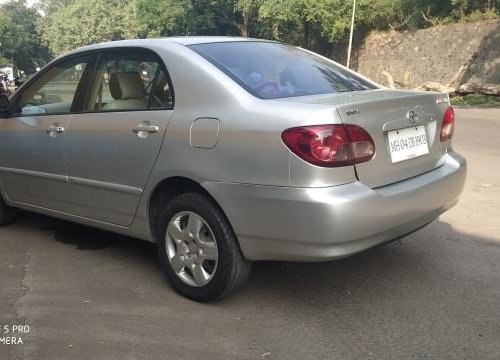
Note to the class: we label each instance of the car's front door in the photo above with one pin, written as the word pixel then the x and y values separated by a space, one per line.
pixel 32 139
pixel 112 147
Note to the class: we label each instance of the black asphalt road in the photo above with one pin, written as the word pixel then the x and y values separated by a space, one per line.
pixel 87 294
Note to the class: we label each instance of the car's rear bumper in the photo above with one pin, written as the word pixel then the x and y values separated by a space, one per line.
pixel 318 224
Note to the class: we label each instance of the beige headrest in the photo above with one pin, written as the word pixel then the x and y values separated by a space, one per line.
pixel 126 85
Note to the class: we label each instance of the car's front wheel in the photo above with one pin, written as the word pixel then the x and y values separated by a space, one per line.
pixel 198 249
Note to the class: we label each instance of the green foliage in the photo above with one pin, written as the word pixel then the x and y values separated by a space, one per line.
pixel 186 17
pixel 84 22
pixel 248 10
pixel 20 41
pixel 460 6
pixel 164 18
pixel 314 24
pixel 476 100
pixel 48 7
pixel 414 14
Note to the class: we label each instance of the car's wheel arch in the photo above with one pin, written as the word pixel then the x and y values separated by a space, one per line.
pixel 168 189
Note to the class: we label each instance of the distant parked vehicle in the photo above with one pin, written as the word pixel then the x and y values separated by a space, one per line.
pixel 8 70
pixel 4 90
pixel 226 150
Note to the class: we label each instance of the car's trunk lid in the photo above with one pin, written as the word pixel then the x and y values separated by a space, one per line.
pixel 385 120
pixel 381 112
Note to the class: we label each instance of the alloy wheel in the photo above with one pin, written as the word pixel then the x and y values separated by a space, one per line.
pixel 191 248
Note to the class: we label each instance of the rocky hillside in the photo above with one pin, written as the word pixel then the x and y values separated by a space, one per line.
pixel 434 54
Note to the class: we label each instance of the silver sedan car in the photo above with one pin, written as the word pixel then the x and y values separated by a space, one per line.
pixel 223 151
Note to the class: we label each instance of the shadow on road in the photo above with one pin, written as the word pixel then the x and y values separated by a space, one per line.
pixel 435 291
pixel 86 238
pixel 426 256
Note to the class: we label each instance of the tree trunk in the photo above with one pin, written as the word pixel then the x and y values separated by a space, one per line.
pixel 306 29
pixel 434 86
pixel 457 78
pixel 465 89
pixel 244 27
pixel 485 89
pixel 390 79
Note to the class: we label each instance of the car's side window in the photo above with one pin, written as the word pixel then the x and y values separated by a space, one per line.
pixel 54 91
pixel 132 81
pixel 162 95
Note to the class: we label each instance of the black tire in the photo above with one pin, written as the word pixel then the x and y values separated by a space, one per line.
pixel 6 213
pixel 232 268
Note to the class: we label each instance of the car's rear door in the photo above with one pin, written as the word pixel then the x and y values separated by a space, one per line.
pixel 32 140
pixel 112 146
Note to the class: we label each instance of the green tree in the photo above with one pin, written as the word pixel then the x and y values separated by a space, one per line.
pixel 248 10
pixel 462 8
pixel 314 24
pixel 48 7
pixel 165 17
pixel 330 19
pixel 84 22
pixel 187 17
pixel 20 41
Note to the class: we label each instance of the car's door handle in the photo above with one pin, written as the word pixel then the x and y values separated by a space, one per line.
pixel 55 129
pixel 151 129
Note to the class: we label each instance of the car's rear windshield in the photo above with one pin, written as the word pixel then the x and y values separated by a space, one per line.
pixel 272 70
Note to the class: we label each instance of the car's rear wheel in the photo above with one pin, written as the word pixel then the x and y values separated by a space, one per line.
pixel 198 249
pixel 6 213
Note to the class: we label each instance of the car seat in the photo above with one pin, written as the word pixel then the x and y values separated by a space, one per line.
pixel 127 90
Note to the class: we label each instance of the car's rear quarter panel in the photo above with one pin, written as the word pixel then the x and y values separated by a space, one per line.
pixel 249 148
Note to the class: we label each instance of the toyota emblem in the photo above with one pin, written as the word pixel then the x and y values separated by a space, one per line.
pixel 412 116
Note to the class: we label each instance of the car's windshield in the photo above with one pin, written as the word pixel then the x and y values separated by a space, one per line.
pixel 272 70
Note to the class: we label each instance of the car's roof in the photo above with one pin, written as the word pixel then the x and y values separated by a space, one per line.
pixel 179 40
pixel 182 40
pixel 190 40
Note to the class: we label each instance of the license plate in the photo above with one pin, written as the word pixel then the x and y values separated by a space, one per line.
pixel 409 143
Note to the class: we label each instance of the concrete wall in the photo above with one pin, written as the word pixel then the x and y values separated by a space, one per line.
pixel 433 54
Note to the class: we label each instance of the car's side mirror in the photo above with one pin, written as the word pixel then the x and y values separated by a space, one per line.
pixel 4 106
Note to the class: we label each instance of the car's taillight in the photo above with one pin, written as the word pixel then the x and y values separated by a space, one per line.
pixel 330 145
pixel 448 127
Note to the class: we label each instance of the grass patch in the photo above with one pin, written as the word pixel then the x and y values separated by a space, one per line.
pixel 476 100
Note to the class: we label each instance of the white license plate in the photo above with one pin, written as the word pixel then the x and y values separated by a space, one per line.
pixel 409 143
